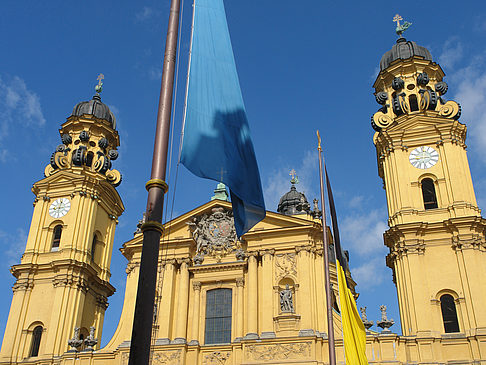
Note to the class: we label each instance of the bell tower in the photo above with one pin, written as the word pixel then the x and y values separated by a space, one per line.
pixel 63 277
pixel 437 235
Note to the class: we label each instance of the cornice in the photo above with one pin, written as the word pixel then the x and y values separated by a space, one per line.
pixel 221 266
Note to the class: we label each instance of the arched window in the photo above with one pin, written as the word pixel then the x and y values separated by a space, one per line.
pixel 449 314
pixel 36 339
pixel 56 239
pixel 428 193
pixel 218 316
pixel 412 99
pixel 93 247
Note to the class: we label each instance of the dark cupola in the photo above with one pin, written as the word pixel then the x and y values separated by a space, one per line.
pixel 95 107
pixel 403 50
pixel 293 202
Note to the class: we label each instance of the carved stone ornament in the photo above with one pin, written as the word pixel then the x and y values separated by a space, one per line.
pixel 80 153
pixel 90 341
pixel 364 318
pixel 385 323
pixel 217 358
pixel 285 266
pixel 281 351
pixel 167 358
pixel 75 342
pixel 214 234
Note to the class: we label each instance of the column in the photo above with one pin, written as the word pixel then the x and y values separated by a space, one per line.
pixel 304 267
pixel 196 285
pixel 252 293
pixel 240 309
pixel 182 302
pixel 167 303
pixel 267 295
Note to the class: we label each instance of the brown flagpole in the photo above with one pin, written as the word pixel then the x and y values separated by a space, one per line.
pixel 152 228
pixel 325 244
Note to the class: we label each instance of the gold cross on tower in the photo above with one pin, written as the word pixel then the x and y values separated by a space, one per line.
pixel 294 179
pixel 99 87
pixel 397 19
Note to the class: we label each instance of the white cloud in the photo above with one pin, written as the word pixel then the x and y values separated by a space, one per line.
pixel 277 183
pixel 13 245
pixel 363 233
pixel 470 92
pixel 155 73
pixel 144 14
pixel 452 52
pixel 17 105
pixel 369 274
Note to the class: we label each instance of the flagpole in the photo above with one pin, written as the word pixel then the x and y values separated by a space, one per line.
pixel 325 244
pixel 152 228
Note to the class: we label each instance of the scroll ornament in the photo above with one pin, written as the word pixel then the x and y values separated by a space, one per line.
pixel 96 159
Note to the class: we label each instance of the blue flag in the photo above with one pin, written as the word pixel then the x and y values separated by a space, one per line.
pixel 217 143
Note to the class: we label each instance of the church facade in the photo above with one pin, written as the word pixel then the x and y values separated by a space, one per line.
pixel 259 300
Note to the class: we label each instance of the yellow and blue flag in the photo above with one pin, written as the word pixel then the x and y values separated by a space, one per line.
pixel 216 143
pixel 354 332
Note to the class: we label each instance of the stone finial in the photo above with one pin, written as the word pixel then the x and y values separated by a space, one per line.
pixel 316 213
pixel 75 342
pixel 90 341
pixel 385 323
pixel 368 324
pixel 99 86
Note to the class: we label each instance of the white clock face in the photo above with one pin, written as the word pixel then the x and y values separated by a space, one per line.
pixel 423 157
pixel 59 208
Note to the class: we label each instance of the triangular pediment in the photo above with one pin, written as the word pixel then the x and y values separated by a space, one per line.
pixel 178 228
pixel 418 122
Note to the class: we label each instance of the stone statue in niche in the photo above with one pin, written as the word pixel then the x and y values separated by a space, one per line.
pixel 286 300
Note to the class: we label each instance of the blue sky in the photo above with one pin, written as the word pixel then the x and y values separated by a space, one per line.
pixel 302 65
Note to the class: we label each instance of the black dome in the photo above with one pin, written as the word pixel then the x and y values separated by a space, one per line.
pixel 96 108
pixel 403 49
pixel 293 202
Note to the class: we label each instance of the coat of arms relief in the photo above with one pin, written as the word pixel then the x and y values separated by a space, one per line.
pixel 215 235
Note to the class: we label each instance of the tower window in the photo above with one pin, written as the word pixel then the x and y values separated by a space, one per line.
pixel 428 193
pixel 36 339
pixel 449 314
pixel 412 99
pixel 56 239
pixel 93 247
pixel 218 316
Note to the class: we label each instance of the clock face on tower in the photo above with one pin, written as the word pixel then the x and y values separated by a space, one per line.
pixel 423 157
pixel 59 208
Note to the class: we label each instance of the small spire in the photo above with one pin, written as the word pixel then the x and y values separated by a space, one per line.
pixel 220 193
pixel 295 178
pixel 99 87
pixel 401 27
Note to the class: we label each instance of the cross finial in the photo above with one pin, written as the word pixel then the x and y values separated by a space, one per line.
pixel 221 174
pixel 397 19
pixel 99 87
pixel 294 179
pixel 401 27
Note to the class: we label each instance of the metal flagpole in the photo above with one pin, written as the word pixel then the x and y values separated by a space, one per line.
pixel 152 228
pixel 325 244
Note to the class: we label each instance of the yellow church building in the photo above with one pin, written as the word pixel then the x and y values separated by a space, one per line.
pixel 261 299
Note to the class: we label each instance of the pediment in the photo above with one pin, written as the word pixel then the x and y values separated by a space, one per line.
pixel 61 177
pixel 417 122
pixel 178 228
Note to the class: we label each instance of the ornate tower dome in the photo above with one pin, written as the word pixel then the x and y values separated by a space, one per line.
pixel 404 49
pixel 89 141
pixel 95 108
pixel 293 202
